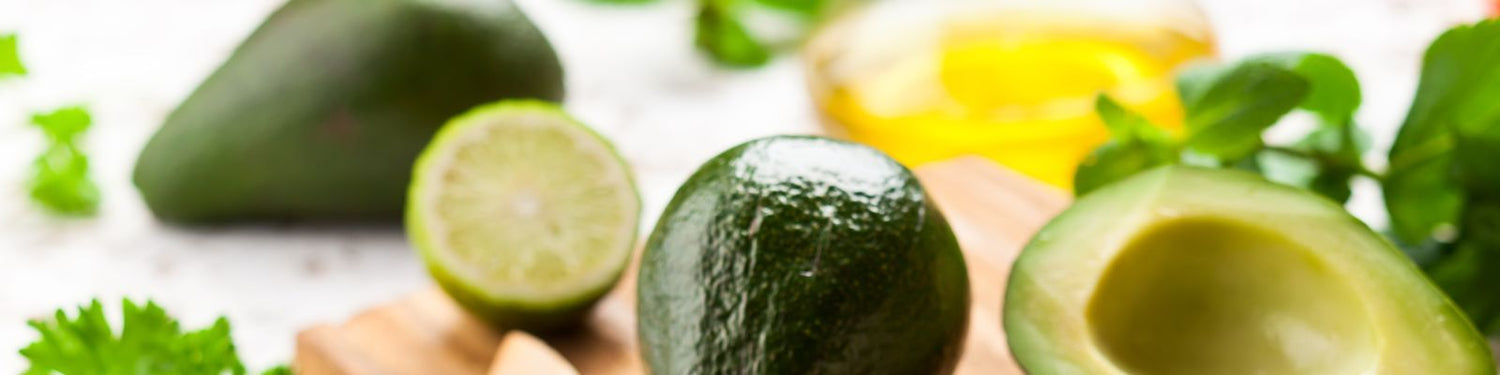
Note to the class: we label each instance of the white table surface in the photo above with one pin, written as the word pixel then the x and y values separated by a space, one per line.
pixel 631 74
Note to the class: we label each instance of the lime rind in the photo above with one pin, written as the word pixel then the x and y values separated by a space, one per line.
pixel 540 229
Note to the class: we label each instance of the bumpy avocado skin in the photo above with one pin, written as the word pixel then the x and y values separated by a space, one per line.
pixel 802 255
pixel 321 112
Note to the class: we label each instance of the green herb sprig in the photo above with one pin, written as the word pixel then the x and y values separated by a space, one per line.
pixel 60 179
pixel 148 342
pixel 10 58
pixel 60 176
pixel 1442 186
pixel 720 31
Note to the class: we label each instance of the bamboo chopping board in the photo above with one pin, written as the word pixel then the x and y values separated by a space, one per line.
pixel 993 212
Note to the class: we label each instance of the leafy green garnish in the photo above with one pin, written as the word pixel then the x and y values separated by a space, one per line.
pixel 1135 145
pixel 60 180
pixel 148 342
pixel 1227 115
pixel 720 34
pixel 63 125
pixel 1443 184
pixel 1228 107
pixel 1457 97
pixel 278 370
pixel 1332 151
pixel 806 8
pixel 10 59
pixel 1442 189
pixel 1334 93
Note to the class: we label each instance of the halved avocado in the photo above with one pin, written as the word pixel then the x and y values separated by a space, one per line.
pixel 1184 270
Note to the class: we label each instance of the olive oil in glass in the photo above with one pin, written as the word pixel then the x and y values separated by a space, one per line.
pixel 1014 81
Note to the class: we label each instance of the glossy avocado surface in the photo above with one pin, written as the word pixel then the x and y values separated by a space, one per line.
pixel 802 255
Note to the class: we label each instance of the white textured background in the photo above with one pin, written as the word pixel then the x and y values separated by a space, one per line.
pixel 631 74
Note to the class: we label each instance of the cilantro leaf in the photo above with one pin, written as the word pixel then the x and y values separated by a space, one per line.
pixel 148 342
pixel 10 58
pixel 1455 99
pixel 1135 145
pixel 1228 109
pixel 720 34
pixel 60 178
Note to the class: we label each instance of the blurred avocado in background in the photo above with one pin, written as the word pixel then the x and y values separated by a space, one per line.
pixel 320 113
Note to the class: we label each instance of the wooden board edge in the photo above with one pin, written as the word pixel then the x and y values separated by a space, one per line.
pixel 322 350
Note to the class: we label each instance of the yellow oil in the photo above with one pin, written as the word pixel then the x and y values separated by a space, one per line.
pixel 1016 87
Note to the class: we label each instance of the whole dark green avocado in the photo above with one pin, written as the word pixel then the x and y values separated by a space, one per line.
pixel 802 255
pixel 321 112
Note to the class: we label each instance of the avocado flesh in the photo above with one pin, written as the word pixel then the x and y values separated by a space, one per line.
pixel 1184 270
pixel 801 255
pixel 320 113
pixel 1207 295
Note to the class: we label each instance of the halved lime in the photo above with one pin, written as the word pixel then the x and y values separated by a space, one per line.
pixel 523 215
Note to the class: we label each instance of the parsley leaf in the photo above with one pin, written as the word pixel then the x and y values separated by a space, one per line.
pixel 148 342
pixel 278 370
pixel 60 182
pixel 10 59
pixel 60 178
pixel 63 125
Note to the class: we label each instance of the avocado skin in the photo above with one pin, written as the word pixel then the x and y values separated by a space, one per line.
pixel 802 255
pixel 321 112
